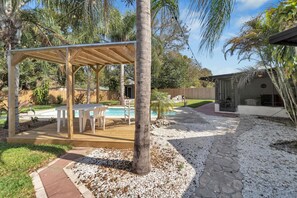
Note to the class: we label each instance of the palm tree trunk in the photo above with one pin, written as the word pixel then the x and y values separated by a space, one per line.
pixel 122 85
pixel 141 159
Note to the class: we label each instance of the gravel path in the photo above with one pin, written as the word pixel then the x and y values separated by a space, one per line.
pixel 268 172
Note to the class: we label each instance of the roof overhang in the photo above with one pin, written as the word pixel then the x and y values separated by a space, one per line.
pixel 222 76
pixel 287 37
pixel 83 54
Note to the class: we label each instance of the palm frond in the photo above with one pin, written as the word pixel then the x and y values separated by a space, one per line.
pixel 214 15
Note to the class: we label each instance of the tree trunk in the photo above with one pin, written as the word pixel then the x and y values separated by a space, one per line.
pixel 141 158
pixel 122 84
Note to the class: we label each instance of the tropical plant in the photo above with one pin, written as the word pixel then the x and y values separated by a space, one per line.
pixel 278 61
pixel 161 103
pixel 41 94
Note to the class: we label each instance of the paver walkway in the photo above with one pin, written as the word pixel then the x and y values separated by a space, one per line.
pixel 221 176
pixel 55 181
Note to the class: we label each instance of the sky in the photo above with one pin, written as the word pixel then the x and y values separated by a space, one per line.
pixel 243 11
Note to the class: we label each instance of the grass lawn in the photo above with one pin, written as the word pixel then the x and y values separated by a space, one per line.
pixel 110 102
pixel 18 161
pixel 40 107
pixel 2 121
pixel 193 103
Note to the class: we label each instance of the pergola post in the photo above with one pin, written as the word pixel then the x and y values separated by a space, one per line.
pixel 11 96
pixel 97 86
pixel 73 85
pixel 122 84
pixel 69 87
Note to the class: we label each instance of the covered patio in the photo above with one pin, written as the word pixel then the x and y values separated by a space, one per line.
pixel 96 56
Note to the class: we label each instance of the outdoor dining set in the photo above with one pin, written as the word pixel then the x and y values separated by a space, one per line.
pixel 86 112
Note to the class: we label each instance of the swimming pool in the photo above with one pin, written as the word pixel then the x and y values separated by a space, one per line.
pixel 119 112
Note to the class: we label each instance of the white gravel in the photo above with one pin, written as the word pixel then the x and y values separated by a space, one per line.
pixel 179 152
pixel 268 172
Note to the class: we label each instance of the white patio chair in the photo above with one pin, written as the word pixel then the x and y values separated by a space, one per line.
pixel 99 115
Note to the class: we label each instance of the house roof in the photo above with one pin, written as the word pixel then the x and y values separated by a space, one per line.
pixel 83 54
pixel 213 78
pixel 287 37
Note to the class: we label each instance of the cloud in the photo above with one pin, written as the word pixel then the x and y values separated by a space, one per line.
pixel 251 4
pixel 240 21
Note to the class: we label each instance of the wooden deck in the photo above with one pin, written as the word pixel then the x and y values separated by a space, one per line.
pixel 116 135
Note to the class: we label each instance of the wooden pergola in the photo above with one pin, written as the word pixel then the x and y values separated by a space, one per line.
pixel 97 56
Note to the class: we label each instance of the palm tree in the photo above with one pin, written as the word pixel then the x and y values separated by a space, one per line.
pixel 161 103
pixel 141 158
pixel 122 29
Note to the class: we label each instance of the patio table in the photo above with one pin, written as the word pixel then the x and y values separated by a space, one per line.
pixel 83 110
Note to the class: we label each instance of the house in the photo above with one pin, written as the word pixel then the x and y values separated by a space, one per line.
pixel 258 97
pixel 130 89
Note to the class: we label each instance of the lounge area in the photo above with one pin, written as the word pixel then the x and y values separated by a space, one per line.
pixel 114 133
pixel 258 97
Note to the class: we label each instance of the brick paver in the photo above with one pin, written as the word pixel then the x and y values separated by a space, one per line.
pixel 56 182
pixel 208 109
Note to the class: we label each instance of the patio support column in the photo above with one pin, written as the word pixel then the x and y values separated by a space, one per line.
pixel 69 75
pixel 97 85
pixel 73 85
pixel 11 95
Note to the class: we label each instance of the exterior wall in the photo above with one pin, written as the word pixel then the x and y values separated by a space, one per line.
pixel 262 111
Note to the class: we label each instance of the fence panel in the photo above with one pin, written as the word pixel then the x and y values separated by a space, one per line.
pixel 192 93
pixel 27 95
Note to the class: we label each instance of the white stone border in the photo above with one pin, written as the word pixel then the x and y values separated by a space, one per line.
pixel 84 191
pixel 36 180
pixel 38 186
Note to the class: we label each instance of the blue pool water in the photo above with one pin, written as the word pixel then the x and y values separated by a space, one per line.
pixel 119 112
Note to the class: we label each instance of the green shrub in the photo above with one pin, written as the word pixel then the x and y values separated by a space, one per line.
pixel 59 99
pixel 41 94
pixel 161 103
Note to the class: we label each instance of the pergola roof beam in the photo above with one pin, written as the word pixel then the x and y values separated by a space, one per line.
pixel 91 57
pixel 110 56
pixel 42 57
pixel 122 55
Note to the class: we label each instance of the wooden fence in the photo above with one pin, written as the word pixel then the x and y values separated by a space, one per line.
pixel 27 95
pixel 192 93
